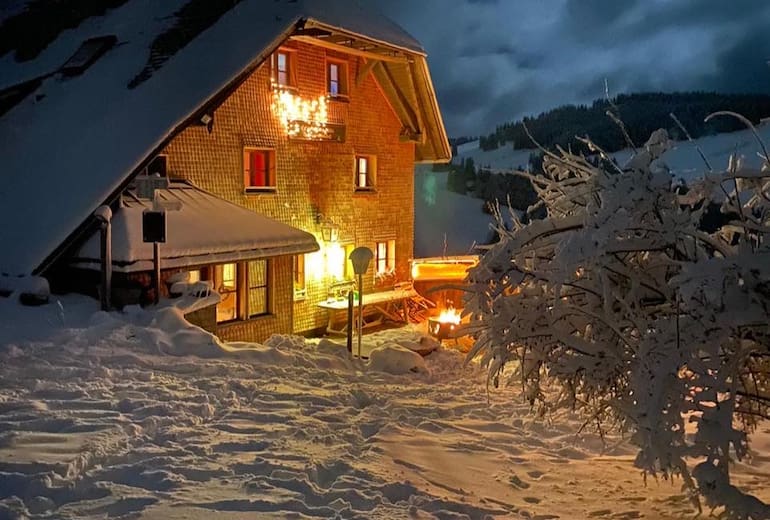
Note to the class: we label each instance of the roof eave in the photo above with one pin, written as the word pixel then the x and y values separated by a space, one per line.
pixel 313 22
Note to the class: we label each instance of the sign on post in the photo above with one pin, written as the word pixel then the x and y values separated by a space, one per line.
pixel 153 226
pixel 154 230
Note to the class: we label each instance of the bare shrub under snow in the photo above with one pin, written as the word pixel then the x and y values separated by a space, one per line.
pixel 636 315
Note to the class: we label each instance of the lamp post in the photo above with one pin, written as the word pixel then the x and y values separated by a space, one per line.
pixel 360 258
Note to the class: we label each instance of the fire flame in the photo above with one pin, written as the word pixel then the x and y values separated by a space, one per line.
pixel 303 118
pixel 449 315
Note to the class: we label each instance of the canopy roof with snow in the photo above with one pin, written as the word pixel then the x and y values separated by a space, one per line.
pixel 204 230
pixel 83 109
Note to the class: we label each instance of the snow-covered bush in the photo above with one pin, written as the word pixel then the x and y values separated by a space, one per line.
pixel 619 305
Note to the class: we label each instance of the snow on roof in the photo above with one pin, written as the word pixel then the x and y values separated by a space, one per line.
pixel 205 230
pixel 369 23
pixel 72 144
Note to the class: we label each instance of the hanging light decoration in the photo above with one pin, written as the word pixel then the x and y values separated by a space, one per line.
pixel 302 118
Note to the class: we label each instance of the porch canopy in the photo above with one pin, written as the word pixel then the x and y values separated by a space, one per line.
pixel 200 229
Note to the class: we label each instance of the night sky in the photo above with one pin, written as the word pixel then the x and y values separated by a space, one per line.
pixel 493 61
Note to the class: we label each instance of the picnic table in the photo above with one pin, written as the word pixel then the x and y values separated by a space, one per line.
pixel 378 306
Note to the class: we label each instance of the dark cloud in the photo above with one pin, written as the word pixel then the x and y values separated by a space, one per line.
pixel 742 66
pixel 465 96
pixel 593 16
pixel 495 61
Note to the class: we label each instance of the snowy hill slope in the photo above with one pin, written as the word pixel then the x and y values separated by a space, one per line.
pixel 439 211
pixel 683 159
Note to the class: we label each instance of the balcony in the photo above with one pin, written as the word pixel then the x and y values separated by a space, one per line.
pixel 310 118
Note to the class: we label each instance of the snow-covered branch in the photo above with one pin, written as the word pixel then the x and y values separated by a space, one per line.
pixel 641 317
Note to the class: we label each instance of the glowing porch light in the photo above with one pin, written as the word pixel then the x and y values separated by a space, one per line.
pixel 301 118
pixel 335 260
pixel 328 262
pixel 315 266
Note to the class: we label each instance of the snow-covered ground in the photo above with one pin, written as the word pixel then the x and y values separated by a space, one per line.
pixel 97 420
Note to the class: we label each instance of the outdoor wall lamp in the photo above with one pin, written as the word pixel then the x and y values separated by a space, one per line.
pixel 330 232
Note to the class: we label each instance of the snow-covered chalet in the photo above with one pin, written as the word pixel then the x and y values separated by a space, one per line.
pixel 275 135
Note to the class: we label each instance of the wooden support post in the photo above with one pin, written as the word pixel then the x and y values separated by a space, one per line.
pixel 106 246
pixel 156 269
pixel 350 322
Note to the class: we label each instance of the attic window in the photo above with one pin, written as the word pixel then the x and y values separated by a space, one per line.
pixel 89 51
pixel 336 78
pixel 283 68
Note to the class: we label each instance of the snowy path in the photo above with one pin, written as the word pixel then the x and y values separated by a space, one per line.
pixel 93 425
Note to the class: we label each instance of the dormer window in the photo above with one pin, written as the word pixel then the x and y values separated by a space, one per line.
pixel 283 68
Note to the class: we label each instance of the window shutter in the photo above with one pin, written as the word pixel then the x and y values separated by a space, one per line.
pixel 246 168
pixel 270 170
pixel 291 59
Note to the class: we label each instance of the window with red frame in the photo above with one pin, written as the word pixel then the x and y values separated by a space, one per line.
pixel 258 169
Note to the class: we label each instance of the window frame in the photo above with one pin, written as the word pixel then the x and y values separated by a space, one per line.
pixel 270 171
pixel 291 68
pixel 347 272
pixel 299 276
pixel 241 292
pixel 343 83
pixel 389 258
pixel 219 281
pixel 370 173
pixel 264 287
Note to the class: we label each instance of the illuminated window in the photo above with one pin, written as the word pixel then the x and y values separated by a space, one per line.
pixel 259 295
pixel 258 169
pixel 300 291
pixel 283 68
pixel 348 272
pixel 244 288
pixel 337 78
pixel 385 256
pixel 365 172
pixel 226 283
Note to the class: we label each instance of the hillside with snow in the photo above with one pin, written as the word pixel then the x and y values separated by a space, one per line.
pixel 683 160
pixel 440 212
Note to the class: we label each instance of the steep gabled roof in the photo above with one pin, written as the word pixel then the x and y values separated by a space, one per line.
pixel 73 143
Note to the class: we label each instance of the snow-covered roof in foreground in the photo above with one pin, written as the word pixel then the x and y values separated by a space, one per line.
pixel 205 230
pixel 73 142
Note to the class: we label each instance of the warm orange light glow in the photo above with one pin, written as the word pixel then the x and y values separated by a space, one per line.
pixel 449 268
pixel 449 315
pixel 326 263
pixel 301 118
